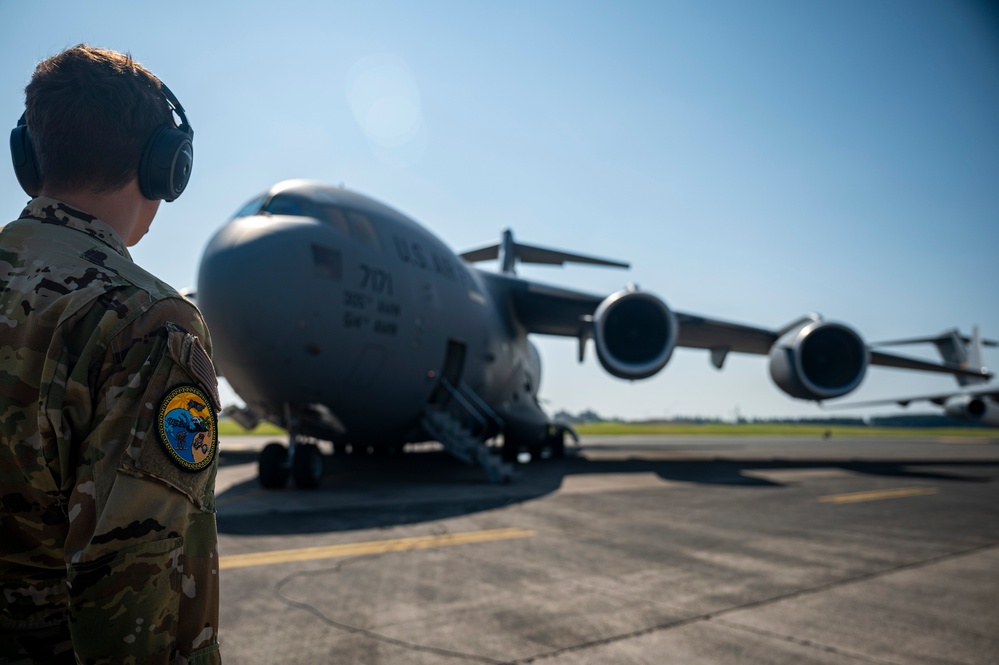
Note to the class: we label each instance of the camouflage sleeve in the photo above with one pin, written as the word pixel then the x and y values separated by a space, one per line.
pixel 141 551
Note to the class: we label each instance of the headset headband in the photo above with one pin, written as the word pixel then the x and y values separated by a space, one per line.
pixel 175 105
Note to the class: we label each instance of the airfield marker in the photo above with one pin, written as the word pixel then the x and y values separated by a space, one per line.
pixel 878 495
pixel 371 547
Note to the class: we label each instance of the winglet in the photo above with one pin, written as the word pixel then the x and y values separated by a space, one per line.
pixel 508 251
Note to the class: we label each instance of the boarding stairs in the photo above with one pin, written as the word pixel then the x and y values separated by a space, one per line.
pixel 462 423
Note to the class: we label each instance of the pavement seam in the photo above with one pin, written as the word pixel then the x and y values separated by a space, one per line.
pixel 811 644
pixel 355 630
pixel 711 616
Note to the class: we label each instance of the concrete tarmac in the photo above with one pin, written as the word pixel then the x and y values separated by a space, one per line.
pixel 632 550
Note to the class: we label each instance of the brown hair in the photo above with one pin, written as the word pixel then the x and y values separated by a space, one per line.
pixel 90 113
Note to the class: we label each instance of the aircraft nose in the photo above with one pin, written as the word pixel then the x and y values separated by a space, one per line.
pixel 246 284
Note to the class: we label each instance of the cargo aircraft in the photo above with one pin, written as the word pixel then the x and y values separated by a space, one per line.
pixel 343 320
pixel 974 400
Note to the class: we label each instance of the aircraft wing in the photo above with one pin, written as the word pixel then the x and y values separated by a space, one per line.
pixel 700 332
pixel 722 337
pixel 552 310
pixel 544 309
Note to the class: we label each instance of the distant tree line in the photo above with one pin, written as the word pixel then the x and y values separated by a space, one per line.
pixel 588 416
pixel 903 420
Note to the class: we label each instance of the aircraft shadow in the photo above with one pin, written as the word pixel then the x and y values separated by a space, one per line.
pixel 372 492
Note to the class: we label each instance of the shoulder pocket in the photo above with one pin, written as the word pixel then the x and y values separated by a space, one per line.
pixel 179 441
pixel 183 452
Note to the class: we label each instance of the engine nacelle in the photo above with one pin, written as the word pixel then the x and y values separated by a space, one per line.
pixel 635 333
pixel 965 407
pixel 819 360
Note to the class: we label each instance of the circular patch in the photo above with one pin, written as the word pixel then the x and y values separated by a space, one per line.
pixel 187 428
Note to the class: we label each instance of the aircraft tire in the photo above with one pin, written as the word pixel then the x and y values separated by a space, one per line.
pixel 557 445
pixel 273 466
pixel 308 466
pixel 509 451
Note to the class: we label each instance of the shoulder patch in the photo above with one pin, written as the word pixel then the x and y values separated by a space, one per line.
pixel 188 427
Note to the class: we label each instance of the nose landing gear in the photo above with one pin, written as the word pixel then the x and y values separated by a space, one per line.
pixel 307 466
pixel 272 466
pixel 551 445
pixel 302 461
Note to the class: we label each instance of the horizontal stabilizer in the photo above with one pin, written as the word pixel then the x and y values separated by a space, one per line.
pixel 533 254
pixel 508 251
pixel 488 253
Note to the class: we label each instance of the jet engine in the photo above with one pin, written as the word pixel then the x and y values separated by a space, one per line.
pixel 634 334
pixel 819 360
pixel 965 407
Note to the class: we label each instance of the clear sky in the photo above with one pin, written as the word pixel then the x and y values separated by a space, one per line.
pixel 753 161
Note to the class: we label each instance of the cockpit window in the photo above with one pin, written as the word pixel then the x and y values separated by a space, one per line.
pixel 251 208
pixel 362 229
pixel 337 218
pixel 303 206
pixel 350 223
pixel 290 204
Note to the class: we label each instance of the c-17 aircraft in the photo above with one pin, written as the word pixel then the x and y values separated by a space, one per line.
pixel 975 399
pixel 341 319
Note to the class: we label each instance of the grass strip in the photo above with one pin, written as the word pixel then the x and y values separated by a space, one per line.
pixel 230 428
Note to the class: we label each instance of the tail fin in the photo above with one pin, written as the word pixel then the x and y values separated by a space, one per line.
pixel 975 359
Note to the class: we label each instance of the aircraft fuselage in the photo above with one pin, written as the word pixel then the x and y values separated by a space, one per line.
pixel 327 302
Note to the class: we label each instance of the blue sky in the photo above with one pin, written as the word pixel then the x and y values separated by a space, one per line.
pixel 754 161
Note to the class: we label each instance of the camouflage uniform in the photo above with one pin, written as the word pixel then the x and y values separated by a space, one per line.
pixel 108 544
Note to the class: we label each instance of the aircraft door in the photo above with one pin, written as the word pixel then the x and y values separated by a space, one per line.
pixel 454 366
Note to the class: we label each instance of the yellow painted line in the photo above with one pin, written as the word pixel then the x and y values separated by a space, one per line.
pixel 878 495
pixel 372 547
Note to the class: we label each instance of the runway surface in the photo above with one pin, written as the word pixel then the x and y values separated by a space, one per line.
pixel 634 550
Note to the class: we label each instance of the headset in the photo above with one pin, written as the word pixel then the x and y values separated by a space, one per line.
pixel 164 168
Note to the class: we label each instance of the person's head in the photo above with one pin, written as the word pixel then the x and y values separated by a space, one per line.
pixel 91 112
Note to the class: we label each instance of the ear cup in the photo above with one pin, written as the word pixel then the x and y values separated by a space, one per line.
pixel 22 153
pixel 165 167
